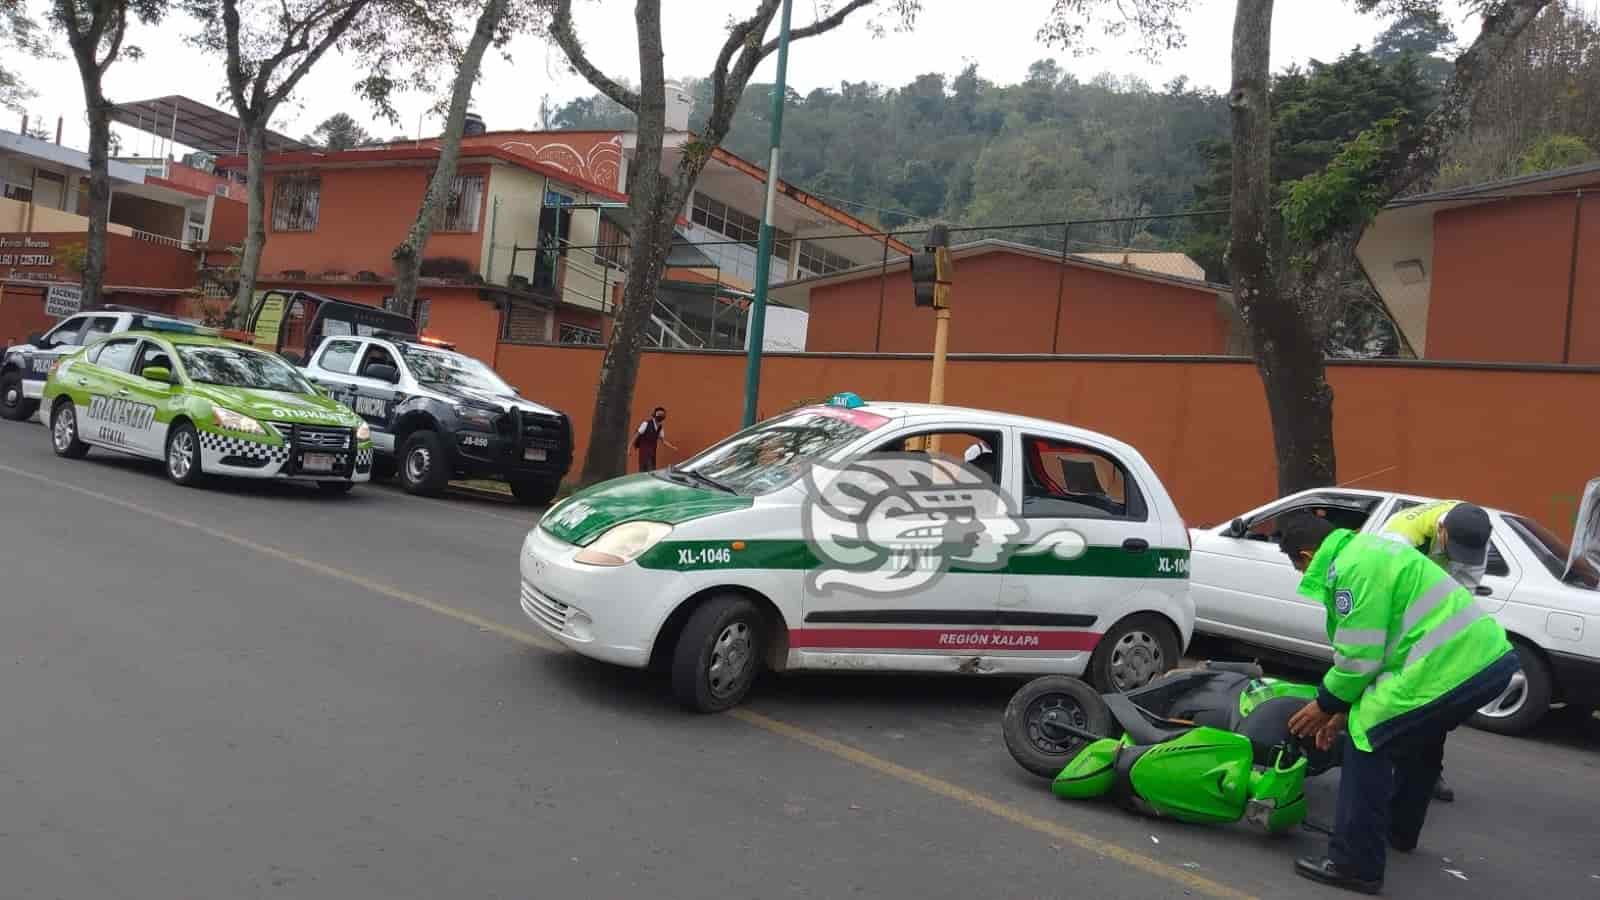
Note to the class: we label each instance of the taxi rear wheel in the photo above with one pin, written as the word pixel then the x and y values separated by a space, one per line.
pixel 64 432
pixel 718 654
pixel 13 405
pixel 183 455
pixel 1135 650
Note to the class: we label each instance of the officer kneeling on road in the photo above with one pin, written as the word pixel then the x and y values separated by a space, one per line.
pixel 1455 535
pixel 1414 657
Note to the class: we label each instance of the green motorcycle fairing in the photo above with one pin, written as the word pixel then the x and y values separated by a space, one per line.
pixel 1091 773
pixel 1277 794
pixel 1260 690
pixel 1201 776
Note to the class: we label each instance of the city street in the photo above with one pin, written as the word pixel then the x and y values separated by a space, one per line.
pixel 257 691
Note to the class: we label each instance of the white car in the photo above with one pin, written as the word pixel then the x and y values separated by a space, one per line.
pixel 712 568
pixel 1245 590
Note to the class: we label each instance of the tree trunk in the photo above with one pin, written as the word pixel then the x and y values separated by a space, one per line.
pixel 94 264
pixel 1288 353
pixel 255 235
pixel 653 207
pixel 408 255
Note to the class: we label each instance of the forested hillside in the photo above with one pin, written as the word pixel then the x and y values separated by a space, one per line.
pixel 966 150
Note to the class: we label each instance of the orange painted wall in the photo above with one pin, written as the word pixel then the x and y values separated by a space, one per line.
pixel 594 156
pixel 363 214
pixel 1006 303
pixel 1203 426
pixel 1499 286
pixel 129 261
pixel 228 221
pixel 458 316
pixel 1586 287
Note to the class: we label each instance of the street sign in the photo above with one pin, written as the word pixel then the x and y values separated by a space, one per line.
pixel 63 300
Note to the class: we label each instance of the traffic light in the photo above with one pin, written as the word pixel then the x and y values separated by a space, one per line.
pixel 932 270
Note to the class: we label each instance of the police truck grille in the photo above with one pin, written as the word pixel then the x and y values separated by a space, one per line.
pixel 551 612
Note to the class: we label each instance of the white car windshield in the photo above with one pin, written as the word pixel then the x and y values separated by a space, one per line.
pixel 241 368
pixel 768 456
pixel 454 369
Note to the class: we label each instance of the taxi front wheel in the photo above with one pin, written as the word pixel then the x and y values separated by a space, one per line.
pixel 1135 650
pixel 183 455
pixel 718 654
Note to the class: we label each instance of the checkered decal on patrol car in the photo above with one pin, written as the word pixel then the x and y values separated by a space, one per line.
pixel 232 446
pixel 364 458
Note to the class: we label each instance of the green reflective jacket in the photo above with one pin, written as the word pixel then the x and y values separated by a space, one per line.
pixel 1404 632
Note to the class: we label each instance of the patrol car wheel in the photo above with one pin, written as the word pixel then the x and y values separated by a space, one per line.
pixel 183 455
pixel 423 469
pixel 1034 718
pixel 718 654
pixel 64 432
pixel 1524 701
pixel 534 491
pixel 1133 652
pixel 13 405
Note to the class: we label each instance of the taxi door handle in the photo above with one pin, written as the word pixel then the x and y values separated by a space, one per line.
pixel 122 393
pixel 83 382
pixel 1136 545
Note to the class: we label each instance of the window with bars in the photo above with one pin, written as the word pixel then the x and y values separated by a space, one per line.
pixel 578 334
pixel 295 199
pixel 819 261
pixel 460 210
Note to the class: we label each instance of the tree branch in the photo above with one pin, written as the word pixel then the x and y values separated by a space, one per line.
pixel 820 26
pixel 335 31
pixel 236 79
pixel 567 40
pixel 116 40
pixel 738 39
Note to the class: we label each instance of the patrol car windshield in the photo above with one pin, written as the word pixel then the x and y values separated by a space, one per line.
pixel 241 368
pixel 769 456
pixel 443 367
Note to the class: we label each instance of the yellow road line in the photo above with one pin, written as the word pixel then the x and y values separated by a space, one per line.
pixel 990 805
pixel 878 764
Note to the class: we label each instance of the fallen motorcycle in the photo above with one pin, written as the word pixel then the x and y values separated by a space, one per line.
pixel 1209 744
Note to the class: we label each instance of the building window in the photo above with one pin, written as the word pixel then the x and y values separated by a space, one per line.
pixel 613 249
pixel 459 211
pixel 817 261
pixel 725 220
pixel 578 334
pixel 295 199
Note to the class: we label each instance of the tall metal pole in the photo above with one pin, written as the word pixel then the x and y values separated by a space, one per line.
pixel 758 310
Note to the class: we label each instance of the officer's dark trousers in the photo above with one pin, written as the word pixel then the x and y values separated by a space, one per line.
pixel 1385 793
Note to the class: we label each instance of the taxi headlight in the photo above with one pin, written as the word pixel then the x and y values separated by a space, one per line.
pixel 233 421
pixel 363 433
pixel 623 544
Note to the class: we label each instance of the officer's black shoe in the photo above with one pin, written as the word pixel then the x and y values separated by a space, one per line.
pixel 1443 792
pixel 1400 846
pixel 1327 872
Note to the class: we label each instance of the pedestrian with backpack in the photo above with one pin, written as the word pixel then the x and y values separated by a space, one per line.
pixel 652 431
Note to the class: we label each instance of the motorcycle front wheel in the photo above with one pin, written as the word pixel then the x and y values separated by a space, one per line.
pixel 1036 713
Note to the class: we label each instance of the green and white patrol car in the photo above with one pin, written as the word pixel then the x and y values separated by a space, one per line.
pixel 815 541
pixel 205 406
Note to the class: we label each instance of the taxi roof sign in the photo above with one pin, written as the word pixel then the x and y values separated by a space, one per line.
pixel 847 400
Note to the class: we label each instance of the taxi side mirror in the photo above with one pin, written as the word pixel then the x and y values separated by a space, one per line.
pixel 159 374
pixel 1236 529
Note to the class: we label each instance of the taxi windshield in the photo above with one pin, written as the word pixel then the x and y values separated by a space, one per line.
pixel 770 455
pixel 241 368
pixel 454 369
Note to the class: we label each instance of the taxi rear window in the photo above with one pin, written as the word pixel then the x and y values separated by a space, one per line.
pixel 773 454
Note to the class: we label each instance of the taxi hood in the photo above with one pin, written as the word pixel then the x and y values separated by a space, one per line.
pixel 584 516
pixel 278 406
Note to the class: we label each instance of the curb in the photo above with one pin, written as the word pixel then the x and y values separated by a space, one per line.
pixel 481 493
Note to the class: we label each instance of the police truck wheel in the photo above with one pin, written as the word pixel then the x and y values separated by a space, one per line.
pixel 534 491
pixel 423 468
pixel 183 455
pixel 1033 720
pixel 64 432
pixel 1134 651
pixel 13 405
pixel 718 654
pixel 1525 700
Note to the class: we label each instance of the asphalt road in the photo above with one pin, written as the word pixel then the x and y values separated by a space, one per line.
pixel 257 691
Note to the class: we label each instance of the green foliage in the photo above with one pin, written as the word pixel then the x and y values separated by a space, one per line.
pixel 1348 191
pixel 338 132
pixel 1557 151
pixel 20 37
pixel 75 257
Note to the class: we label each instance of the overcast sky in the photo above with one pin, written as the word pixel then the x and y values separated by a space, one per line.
pixel 948 33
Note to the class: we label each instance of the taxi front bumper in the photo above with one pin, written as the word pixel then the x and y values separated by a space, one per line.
pixel 607 613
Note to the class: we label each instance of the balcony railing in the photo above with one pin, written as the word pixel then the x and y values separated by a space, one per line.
pixel 162 239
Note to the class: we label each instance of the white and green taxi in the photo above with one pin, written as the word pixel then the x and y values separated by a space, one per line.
pixel 856 536
pixel 204 406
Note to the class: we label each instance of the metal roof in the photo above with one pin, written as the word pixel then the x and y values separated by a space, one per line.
pixel 194 124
